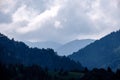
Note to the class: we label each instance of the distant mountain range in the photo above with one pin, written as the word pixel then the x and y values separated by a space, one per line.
pixel 101 54
pixel 46 44
pixel 62 49
pixel 73 46
pixel 15 52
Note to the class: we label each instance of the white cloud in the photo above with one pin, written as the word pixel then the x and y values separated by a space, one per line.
pixel 58 25
pixel 40 19
pixel 7 6
pixel 23 14
pixel 59 20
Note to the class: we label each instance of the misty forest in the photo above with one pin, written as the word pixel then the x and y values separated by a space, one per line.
pixel 59 40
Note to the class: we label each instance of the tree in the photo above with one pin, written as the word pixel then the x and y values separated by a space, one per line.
pixel 86 70
pixel 109 69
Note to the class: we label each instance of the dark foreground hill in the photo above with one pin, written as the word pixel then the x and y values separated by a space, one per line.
pixel 102 53
pixel 14 52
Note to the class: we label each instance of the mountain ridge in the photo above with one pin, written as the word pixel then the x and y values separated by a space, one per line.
pixel 44 44
pixel 73 46
pixel 16 52
pixel 101 53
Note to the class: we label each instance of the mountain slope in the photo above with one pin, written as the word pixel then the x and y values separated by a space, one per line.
pixel 102 53
pixel 73 46
pixel 14 52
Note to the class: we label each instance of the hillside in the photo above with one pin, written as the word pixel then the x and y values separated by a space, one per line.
pixel 14 52
pixel 102 53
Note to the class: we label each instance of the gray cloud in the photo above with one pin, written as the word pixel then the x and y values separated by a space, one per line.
pixel 59 20
pixel 5 18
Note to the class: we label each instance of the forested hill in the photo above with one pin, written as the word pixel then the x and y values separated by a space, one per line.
pixel 15 52
pixel 102 53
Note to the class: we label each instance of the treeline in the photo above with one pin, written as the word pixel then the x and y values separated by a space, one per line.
pixel 20 72
pixel 102 74
pixel 34 72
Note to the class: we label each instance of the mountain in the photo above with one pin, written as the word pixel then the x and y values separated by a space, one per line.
pixel 15 52
pixel 46 44
pixel 102 53
pixel 73 46
pixel 61 49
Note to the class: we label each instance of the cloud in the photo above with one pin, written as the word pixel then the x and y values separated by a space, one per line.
pixel 39 19
pixel 5 18
pixel 58 25
pixel 23 14
pixel 59 20
pixel 6 6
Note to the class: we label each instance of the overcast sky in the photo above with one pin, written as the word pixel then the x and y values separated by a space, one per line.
pixel 58 20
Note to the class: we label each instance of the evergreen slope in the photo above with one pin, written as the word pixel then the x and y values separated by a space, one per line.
pixel 14 52
pixel 102 53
